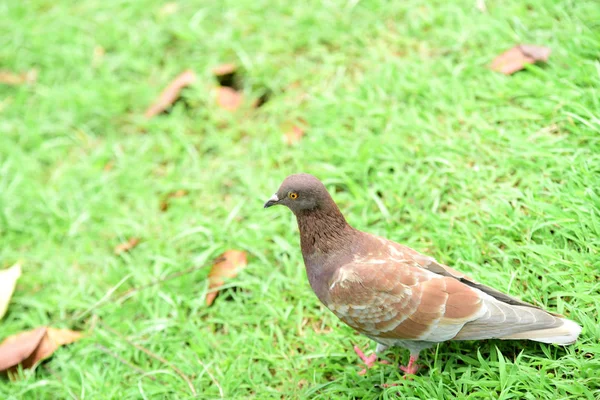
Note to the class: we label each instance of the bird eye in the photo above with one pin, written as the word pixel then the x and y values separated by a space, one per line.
pixel 293 195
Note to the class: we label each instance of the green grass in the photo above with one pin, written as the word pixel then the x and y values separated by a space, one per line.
pixel 417 140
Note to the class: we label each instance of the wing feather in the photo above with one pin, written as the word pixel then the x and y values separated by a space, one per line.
pixel 401 301
pixel 412 297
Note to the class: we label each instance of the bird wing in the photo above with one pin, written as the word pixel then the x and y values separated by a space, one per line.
pixel 387 299
pixel 431 264
pixel 504 316
pixel 405 254
pixel 397 298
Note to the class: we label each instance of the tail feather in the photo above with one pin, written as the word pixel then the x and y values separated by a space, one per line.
pixel 565 334
pixel 499 320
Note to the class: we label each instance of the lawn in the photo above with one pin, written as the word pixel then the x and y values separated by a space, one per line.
pixel 417 140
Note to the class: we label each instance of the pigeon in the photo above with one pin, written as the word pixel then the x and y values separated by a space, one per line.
pixel 397 296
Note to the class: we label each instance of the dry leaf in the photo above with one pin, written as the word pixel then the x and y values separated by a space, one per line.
pixel 170 93
pixel 538 53
pixel 11 78
pixel 126 246
pixel 29 348
pixel 164 205
pixel 262 99
pixel 302 383
pixel 293 136
pixel 515 59
pixel 178 193
pixel 227 75
pixel 8 281
pixel 227 266
pixel 224 69
pixel 228 98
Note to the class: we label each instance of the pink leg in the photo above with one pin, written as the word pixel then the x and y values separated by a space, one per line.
pixel 412 367
pixel 369 361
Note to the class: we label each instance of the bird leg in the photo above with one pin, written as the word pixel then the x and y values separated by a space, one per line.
pixel 412 366
pixel 369 361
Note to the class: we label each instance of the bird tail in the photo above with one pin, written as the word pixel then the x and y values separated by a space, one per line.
pixel 504 321
pixel 565 334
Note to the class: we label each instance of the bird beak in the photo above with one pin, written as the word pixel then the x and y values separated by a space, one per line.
pixel 272 201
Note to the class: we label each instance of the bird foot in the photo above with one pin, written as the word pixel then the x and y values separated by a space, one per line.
pixel 411 368
pixel 368 360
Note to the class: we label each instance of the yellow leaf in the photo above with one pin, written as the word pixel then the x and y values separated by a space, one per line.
pixel 8 281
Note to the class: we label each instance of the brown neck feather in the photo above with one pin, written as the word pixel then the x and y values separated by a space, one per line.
pixel 323 229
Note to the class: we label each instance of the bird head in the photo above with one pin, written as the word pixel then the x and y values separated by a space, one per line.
pixel 300 192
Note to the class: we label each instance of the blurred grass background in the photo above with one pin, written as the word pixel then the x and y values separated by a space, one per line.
pixel 417 140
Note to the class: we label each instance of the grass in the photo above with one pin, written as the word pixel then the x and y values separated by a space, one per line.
pixel 419 142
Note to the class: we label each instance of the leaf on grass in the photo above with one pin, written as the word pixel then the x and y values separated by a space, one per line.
pixel 515 59
pixel 227 266
pixel 293 135
pixel 8 281
pixel 294 132
pixel 227 75
pixel 127 246
pixel 30 347
pixel 224 69
pixel 228 98
pixel 170 93
pixel 178 193
pixel 262 99
pixel 164 205
pixel 12 78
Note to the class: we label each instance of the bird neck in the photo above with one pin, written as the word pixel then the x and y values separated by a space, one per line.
pixel 323 230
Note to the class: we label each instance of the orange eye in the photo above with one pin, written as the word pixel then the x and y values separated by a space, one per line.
pixel 293 195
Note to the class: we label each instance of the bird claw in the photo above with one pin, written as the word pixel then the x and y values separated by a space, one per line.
pixel 411 368
pixel 409 371
pixel 369 361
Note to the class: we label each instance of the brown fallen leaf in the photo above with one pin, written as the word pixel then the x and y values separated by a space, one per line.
pixel 293 135
pixel 515 59
pixel 229 98
pixel 538 53
pixel 30 347
pixel 164 205
pixel 227 76
pixel 262 99
pixel 170 93
pixel 12 78
pixel 127 246
pixel 227 266
pixel 302 383
pixel 224 69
